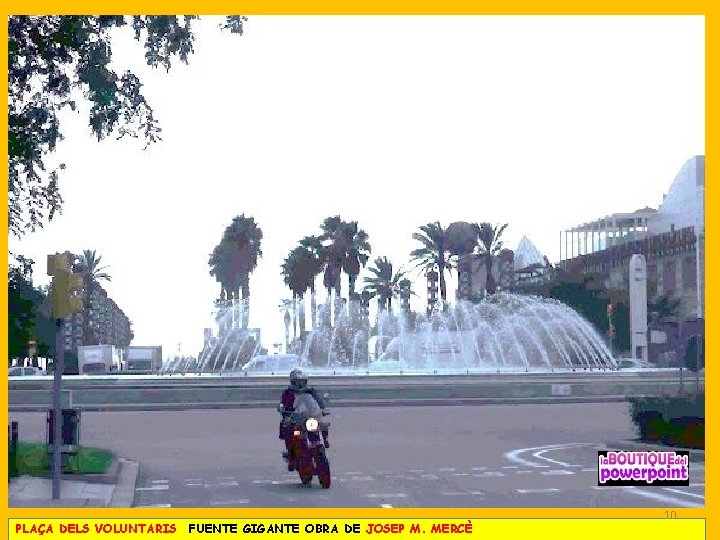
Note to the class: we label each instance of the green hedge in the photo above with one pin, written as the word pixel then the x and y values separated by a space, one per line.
pixel 672 420
pixel 33 459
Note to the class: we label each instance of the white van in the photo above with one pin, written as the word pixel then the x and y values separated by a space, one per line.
pixel 273 363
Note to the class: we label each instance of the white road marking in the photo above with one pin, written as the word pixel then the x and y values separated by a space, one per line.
pixel 539 455
pixel 522 472
pixel 233 483
pixel 394 476
pixel 461 474
pixel 478 468
pixel 510 467
pixel 489 474
pixel 417 471
pixel 360 478
pixel 153 488
pixel 590 469
pixel 201 480
pixel 447 469
pixel 230 503
pixel 670 501
pixel 155 506
pixel 429 477
pixel 453 493
pixel 556 472
pixel 194 484
pixel 681 492
pixel 385 495
pixel 543 490
pixel 514 455
pixel 386 506
pixel 161 481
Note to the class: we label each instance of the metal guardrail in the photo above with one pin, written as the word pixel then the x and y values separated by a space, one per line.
pixel 246 392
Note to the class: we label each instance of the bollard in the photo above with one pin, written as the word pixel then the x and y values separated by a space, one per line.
pixel 13 469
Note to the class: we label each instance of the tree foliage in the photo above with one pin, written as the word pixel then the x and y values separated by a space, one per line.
pixel 28 318
pixel 49 57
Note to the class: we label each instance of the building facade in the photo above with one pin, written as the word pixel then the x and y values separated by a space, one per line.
pixel 672 239
pixel 106 323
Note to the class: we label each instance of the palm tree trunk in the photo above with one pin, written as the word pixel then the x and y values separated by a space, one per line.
pixel 295 316
pixel 313 307
pixel 352 278
pixel 443 285
pixel 245 301
pixel 389 305
pixel 489 280
pixel 301 311
pixel 338 297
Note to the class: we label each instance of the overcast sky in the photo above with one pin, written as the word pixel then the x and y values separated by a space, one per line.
pixel 540 122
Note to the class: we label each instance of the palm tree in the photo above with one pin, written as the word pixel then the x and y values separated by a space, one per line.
pixel 357 253
pixel 236 257
pixel 219 263
pixel 314 263
pixel 89 264
pixel 384 284
pixel 345 248
pixel 299 272
pixel 435 253
pixel 489 245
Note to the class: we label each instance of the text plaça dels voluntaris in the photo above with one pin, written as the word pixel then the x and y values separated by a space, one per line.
pixel 232 528
pixel 98 528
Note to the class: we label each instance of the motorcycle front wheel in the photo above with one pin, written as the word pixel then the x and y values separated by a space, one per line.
pixel 306 473
pixel 322 468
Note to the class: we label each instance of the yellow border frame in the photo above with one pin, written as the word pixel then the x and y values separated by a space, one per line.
pixel 449 7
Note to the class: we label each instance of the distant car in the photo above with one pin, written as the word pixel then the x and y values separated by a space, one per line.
pixel 26 371
pixel 273 363
pixel 628 363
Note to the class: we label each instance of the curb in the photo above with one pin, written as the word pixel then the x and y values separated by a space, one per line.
pixel 412 402
pixel 109 477
pixel 124 493
pixel 56 503
pixel 695 454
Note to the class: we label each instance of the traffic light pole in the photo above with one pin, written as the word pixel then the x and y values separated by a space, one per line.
pixel 57 407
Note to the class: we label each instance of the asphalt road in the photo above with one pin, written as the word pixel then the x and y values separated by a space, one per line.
pixel 477 456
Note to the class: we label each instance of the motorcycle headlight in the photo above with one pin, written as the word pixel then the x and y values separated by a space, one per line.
pixel 311 424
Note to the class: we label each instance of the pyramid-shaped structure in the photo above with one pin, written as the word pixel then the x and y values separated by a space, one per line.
pixel 526 255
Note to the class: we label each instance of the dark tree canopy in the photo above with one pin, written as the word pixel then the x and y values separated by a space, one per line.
pixel 49 57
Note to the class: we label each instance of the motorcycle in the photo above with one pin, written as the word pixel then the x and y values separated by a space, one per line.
pixel 307 450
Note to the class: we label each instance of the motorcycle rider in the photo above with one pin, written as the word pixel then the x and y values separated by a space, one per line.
pixel 298 385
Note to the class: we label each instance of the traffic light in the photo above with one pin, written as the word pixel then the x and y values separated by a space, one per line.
pixel 66 286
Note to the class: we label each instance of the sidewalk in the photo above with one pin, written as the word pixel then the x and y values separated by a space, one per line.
pixel 115 489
